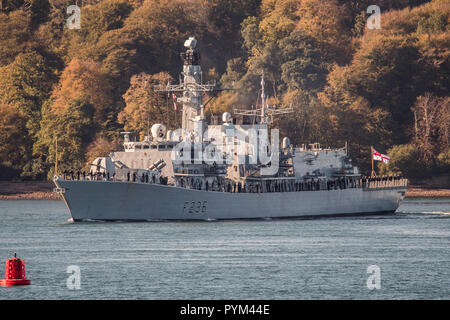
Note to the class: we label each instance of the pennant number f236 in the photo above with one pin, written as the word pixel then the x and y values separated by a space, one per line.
pixel 195 206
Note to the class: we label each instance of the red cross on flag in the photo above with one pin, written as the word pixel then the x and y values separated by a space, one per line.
pixel 379 156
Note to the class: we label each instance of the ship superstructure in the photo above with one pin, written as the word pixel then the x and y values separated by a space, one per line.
pixel 232 168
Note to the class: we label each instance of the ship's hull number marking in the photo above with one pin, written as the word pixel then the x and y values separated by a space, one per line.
pixel 195 206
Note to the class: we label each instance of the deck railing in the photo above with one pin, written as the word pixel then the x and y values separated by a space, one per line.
pixel 262 186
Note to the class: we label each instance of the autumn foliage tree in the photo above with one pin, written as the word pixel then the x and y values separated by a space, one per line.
pixel 80 106
pixel 431 127
pixel 346 83
pixel 144 105
pixel 100 146
pixel 25 84
pixel 14 33
pixel 85 78
pixel 73 128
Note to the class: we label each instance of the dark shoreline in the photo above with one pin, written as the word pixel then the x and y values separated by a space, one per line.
pixel 43 190
pixel 27 190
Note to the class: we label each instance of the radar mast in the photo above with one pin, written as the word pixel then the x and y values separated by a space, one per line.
pixel 266 112
pixel 191 86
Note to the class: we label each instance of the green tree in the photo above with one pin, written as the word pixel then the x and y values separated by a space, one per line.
pixel 11 5
pixel 26 84
pixel 222 26
pixel 329 23
pixel 144 105
pixel 97 20
pixel 304 67
pixel 14 33
pixel 14 142
pixel 443 162
pixel 73 127
pixel 39 11
pixel 404 161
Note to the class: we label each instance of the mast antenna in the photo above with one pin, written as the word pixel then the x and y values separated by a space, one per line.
pixel 266 112
pixel 56 155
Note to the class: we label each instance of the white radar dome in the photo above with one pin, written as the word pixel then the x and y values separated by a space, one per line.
pixel 158 131
pixel 190 43
pixel 285 143
pixel 226 117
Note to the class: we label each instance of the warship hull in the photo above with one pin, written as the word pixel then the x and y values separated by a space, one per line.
pixel 133 201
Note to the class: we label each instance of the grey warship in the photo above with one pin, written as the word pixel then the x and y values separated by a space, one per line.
pixel 231 168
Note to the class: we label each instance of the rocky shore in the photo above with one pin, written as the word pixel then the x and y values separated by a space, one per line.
pixel 43 190
pixel 27 190
pixel 421 192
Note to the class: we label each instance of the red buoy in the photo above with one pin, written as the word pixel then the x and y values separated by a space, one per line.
pixel 14 273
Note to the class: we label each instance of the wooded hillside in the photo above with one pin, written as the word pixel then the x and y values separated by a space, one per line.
pixel 386 87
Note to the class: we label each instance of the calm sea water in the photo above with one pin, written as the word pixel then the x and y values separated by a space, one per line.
pixel 278 259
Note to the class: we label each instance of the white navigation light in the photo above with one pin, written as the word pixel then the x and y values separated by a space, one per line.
pixel 190 43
